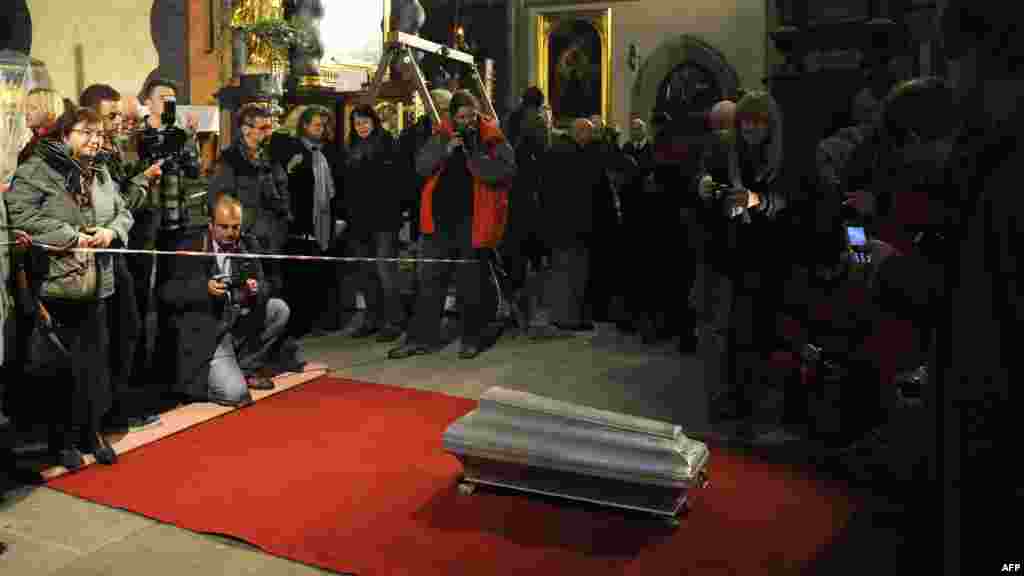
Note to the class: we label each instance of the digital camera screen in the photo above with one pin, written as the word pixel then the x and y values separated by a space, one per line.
pixel 856 235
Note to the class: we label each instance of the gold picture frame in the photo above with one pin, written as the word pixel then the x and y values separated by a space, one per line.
pixel 601 20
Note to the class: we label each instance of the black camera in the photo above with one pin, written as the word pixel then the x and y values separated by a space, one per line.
pixel 170 114
pixel 469 136
pixel 242 270
pixel 169 145
pixel 719 196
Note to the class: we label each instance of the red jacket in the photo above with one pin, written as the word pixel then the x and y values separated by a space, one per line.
pixel 490 202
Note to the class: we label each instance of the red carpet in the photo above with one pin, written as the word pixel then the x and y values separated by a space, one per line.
pixel 351 477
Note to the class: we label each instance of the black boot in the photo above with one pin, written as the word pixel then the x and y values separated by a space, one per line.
pixel 93 442
pixel 408 349
pixel 62 450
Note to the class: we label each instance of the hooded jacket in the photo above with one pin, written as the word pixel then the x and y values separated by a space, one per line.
pixel 492 168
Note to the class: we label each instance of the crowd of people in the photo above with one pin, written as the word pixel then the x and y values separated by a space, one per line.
pixel 693 229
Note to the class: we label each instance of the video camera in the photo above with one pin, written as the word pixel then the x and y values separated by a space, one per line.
pixel 169 144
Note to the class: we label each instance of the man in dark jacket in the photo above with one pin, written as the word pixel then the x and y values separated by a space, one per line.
pixel 468 165
pixel 633 200
pixel 975 361
pixel 162 219
pixel 575 172
pixel 225 324
pixel 260 185
pixel 315 188
pixel 411 141
pixel 530 136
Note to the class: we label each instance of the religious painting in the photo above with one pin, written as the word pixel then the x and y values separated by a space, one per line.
pixel 574 63
pixel 574 79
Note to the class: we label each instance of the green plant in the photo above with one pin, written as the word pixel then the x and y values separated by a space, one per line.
pixel 277 32
pixel 269 39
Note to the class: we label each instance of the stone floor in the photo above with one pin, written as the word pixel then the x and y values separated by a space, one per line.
pixel 50 533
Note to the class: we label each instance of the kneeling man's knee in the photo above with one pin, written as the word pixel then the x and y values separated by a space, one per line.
pixel 278 311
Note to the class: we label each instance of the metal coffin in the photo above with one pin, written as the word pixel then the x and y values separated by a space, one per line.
pixel 527 442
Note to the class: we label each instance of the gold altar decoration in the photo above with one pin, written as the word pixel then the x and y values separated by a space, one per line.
pixel 549 22
pixel 252 13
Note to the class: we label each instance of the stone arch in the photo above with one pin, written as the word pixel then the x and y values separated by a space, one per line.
pixel 16 27
pixel 167 21
pixel 664 59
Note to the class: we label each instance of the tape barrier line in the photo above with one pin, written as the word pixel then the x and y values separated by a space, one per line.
pixel 253 256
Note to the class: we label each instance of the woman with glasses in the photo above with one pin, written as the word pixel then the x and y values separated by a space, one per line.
pixel 66 201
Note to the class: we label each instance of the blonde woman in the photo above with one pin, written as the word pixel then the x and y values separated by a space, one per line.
pixel 43 107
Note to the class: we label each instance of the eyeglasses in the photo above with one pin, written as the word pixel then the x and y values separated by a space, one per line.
pixel 89 134
pixel 264 128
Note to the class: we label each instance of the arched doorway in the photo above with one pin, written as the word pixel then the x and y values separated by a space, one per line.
pixel 15 27
pixel 689 87
pixel 682 75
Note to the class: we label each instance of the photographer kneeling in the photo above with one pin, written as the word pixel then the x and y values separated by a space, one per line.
pixel 225 325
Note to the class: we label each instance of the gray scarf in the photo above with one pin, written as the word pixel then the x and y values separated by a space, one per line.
pixel 323 193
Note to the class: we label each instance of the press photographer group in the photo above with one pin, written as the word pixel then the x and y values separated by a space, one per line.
pixel 820 262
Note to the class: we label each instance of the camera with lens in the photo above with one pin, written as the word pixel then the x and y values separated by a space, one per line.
pixel 170 144
pixel 242 270
pixel 468 135
pixel 718 195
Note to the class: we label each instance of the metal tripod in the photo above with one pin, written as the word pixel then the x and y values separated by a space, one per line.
pixel 400 46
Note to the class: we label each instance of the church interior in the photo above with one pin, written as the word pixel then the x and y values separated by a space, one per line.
pixel 346 466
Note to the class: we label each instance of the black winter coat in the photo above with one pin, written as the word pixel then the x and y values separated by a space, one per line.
pixel 296 160
pixel 376 185
pixel 262 188
pixel 196 316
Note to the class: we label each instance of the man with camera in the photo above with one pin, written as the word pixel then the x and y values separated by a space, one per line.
pixel 161 220
pixel 247 172
pixel 226 325
pixel 468 164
